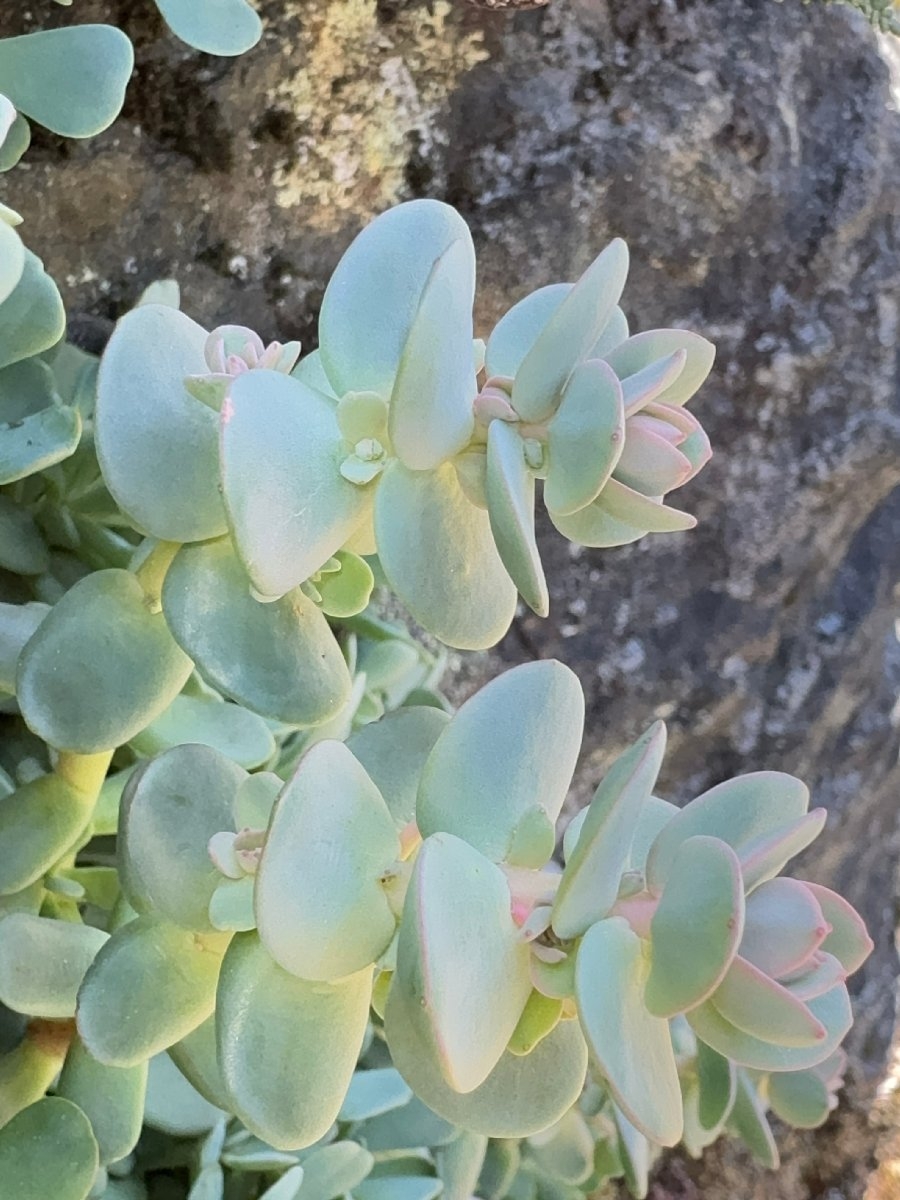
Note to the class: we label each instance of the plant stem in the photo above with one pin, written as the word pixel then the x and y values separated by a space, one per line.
pixel 151 570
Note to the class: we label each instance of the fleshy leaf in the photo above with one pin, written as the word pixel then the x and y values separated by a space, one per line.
pixel 99 640
pixel 695 931
pixel 394 751
pixel 12 257
pixel 438 553
pixel 149 986
pixel 225 27
pixel 784 925
pixel 570 333
pixel 373 296
pixel 757 1005
pixel 170 809
pixel 620 516
pixel 738 811
pixel 632 1048
pixel 39 822
pixel 89 66
pixel 848 940
pixel 241 735
pixel 374 1092
pixel 37 442
pixel 799 1097
pixel 48 1149
pixel 288 505
pixel 195 1058
pixel 831 1009
pixel 32 317
pixel 509 751
pixel 157 445
pixel 346 592
pixel 461 965
pixel 717 1078
pixel 517 331
pixel 42 963
pixel 173 1105
pixel 539 1018
pixel 287 1047
pixel 459 1165
pixel 747 1119
pixel 646 348
pixel 430 417
pixel 330 1172
pixel 509 490
pixel 590 881
pixel 565 1151
pixel 399 1187
pixel 321 908
pixel 279 660
pixel 521 1096
pixel 111 1097
pixel 764 857
pixel 585 438
pixel 22 549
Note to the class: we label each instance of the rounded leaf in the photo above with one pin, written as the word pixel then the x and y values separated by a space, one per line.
pixel 99 641
pixel 280 660
pixel 437 551
pixel 585 438
pixel 521 1096
pixel 89 66
pixel 517 331
pixel 112 1098
pixel 646 348
pixel 371 302
pixel 39 822
pixel 695 931
pixel 42 963
pixel 173 1104
pixel 157 445
pixel 224 27
pixel 236 732
pixel 12 254
pixel 48 1149
pixel 170 809
pixel 784 925
pixel 755 1004
pixel 149 986
pixel 461 964
pixel 632 1048
pixel 394 750
pixel 287 1047
pixel 848 940
pixel 32 317
pixel 508 753
pixel 289 507
pixel 321 908
pixel 800 1098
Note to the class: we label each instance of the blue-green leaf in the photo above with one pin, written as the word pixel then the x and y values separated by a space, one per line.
pixel 32 317
pixel 225 27
pixel 585 438
pixel 509 491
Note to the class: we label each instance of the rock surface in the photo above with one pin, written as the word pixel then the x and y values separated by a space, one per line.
pixel 747 151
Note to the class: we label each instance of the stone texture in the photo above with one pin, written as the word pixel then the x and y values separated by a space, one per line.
pixel 747 151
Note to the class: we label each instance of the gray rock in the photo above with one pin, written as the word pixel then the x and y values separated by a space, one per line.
pixel 747 152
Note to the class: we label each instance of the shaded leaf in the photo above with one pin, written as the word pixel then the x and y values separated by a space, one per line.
pixel 48 1149
pixel 112 1098
pixel 585 438
pixel 509 490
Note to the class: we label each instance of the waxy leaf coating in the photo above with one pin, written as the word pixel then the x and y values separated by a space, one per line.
pixel 225 27
pixel 111 1097
pixel 42 963
pixel 321 908
pixel 509 489
pixel 48 1149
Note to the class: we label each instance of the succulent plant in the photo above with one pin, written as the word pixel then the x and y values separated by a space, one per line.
pixel 225 27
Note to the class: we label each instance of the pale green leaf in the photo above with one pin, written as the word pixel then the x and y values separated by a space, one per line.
pixel 459 1165
pixel 645 348
pixel 747 1120
pixel 170 809
pixel 22 549
pixel 374 1092
pixel 287 1047
pixel 759 1006
pixel 157 445
pixel 517 331
pixel 509 753
pixel 99 640
pixel 438 553
pixel 509 491
pixel 800 1098
pixel 590 882
pixel 738 811
pixel 784 925
pixel 329 1172
pixel 38 441
pixel 89 66
pixel 632 1048
pixel 225 27
pixel 375 292
pixel 430 416
pixel 12 254
pixel 48 1149
pixel 39 822
pixel 585 438
pixel 461 965
pixel 173 1104
pixel 521 1096
pixel 394 751
pixel 150 985
pixel 195 1057
pixel 236 732
pixel 280 660
pixel 570 333
pixel 32 317
pixel 321 908
pixel 112 1098
pixel 698 923
pixel 848 940
pixel 42 963
pixel 289 507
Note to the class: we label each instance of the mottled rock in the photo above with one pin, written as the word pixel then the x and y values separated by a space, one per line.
pixel 747 151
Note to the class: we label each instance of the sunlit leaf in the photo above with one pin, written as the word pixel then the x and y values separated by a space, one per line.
pixel 632 1048
pixel 509 490
pixel 225 27
pixel 506 757
pixel 32 317
pixel 394 751
pixel 42 963
pixel 646 348
pixel 48 1150
pixel 111 1097
pixel 287 1047
pixel 585 438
